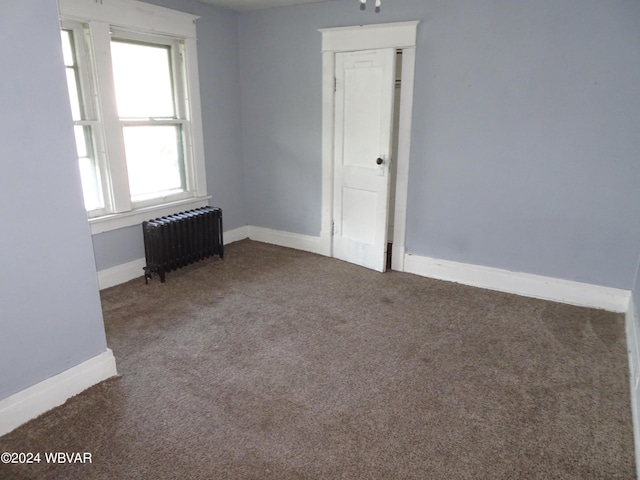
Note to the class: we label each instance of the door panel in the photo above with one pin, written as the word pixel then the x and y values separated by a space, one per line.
pixel 362 109
pixel 358 219
pixel 365 82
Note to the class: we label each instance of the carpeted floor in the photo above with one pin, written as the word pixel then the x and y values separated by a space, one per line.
pixel 280 364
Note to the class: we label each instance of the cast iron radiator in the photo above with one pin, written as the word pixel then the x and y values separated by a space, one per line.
pixel 178 240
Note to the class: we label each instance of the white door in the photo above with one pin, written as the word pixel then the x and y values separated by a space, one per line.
pixel 364 99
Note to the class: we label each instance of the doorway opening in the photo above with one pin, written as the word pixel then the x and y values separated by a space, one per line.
pixel 394 156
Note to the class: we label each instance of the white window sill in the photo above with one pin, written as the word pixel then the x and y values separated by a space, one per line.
pixel 114 221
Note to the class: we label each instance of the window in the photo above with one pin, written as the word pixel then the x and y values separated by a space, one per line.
pixel 84 118
pixel 152 119
pixel 135 105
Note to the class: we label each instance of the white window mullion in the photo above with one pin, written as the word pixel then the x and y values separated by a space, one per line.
pixel 151 123
pixel 190 167
pixel 120 200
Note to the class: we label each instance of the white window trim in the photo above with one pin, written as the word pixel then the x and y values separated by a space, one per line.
pixel 146 18
pixel 141 16
pixel 139 215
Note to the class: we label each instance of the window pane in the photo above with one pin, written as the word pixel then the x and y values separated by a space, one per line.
pixel 74 94
pixel 89 172
pixel 90 184
pixel 154 161
pixel 72 82
pixel 81 141
pixel 142 75
pixel 67 49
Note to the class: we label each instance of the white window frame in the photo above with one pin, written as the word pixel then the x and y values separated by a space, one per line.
pixel 98 19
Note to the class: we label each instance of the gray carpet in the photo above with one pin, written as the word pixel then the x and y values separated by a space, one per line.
pixel 280 364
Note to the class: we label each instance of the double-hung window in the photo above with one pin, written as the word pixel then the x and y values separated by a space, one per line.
pixel 133 85
pixel 85 118
pixel 148 90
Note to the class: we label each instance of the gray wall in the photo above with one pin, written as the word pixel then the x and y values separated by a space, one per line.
pixel 281 75
pixel 528 160
pixel 50 316
pixel 217 31
pixel 525 137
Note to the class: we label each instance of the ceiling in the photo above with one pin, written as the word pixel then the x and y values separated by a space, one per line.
pixel 247 5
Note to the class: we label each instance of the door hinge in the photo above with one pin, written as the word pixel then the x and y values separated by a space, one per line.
pixel 334 229
pixel 335 84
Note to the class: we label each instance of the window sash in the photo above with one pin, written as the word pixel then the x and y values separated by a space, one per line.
pixel 157 169
pixel 175 68
pixel 178 120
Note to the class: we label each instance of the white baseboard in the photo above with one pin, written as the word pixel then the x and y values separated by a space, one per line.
pixel 121 273
pixel 124 272
pixel 288 239
pixel 536 286
pixel 528 285
pixel 236 234
pixel 634 376
pixel 397 258
pixel 31 402
pixel 633 346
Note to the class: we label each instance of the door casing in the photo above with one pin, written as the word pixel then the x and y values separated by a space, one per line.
pixel 401 36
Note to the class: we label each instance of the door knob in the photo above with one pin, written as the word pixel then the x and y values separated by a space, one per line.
pixel 379 161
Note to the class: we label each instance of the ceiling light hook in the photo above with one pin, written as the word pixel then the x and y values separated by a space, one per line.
pixel 378 4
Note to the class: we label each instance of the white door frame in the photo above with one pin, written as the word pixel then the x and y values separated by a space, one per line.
pixel 402 36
